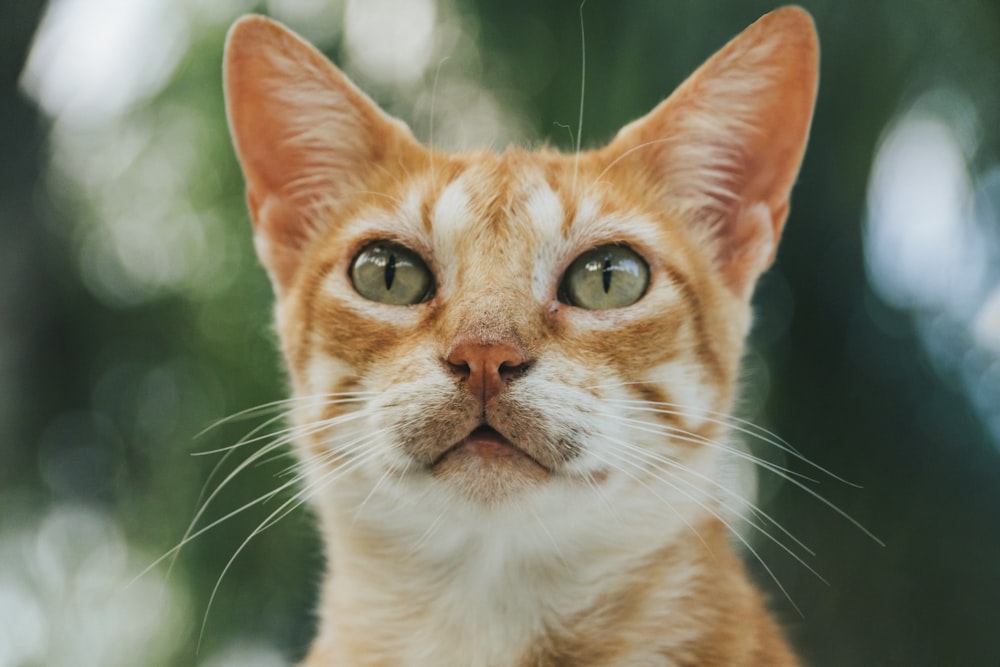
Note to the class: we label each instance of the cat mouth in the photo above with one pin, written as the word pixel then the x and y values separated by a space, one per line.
pixel 486 443
pixel 485 452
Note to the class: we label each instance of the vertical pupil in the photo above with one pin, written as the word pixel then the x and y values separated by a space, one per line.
pixel 390 271
pixel 606 273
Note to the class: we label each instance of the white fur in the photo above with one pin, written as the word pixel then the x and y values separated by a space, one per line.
pixel 451 216
pixel 545 213
pixel 688 389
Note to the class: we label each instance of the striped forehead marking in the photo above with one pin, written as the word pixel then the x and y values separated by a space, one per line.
pixel 545 211
pixel 452 213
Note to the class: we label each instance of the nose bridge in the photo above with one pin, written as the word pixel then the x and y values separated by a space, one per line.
pixel 487 344
pixel 489 291
pixel 488 315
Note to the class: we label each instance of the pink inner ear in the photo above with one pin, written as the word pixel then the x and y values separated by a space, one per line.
pixel 279 235
pixel 751 247
pixel 724 150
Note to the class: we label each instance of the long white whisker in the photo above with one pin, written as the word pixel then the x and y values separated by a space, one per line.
pixel 545 529
pixel 246 413
pixel 289 435
pixel 249 439
pixel 754 430
pixel 729 418
pixel 295 501
pixel 740 425
pixel 743 501
pixel 735 534
pixel 583 89
pixel 274 405
pixel 346 451
pixel 189 535
pixel 649 457
pixel 777 470
pixel 666 502
pixel 608 505
pixel 431 529
pixel 430 141
pixel 386 475
pixel 681 435
pixel 626 154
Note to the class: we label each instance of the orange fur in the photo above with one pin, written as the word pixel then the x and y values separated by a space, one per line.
pixel 518 481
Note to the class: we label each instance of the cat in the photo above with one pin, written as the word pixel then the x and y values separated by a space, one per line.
pixel 511 372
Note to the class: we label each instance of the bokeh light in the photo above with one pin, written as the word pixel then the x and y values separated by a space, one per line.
pixel 68 596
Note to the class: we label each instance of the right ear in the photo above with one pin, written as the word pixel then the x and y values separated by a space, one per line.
pixel 725 148
pixel 305 137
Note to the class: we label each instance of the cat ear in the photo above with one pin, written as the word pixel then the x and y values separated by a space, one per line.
pixel 725 148
pixel 305 138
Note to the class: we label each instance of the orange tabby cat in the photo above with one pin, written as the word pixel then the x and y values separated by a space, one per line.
pixel 509 370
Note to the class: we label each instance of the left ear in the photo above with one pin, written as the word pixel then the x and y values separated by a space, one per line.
pixel 725 148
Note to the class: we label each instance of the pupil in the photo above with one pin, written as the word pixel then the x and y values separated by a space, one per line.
pixel 606 273
pixel 390 272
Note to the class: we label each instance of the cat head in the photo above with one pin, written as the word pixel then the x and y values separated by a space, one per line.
pixel 491 327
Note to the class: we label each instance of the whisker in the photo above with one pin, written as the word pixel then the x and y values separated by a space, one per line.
pixel 273 405
pixel 739 537
pixel 777 470
pixel 651 457
pixel 608 505
pixel 375 487
pixel 545 529
pixel 295 501
pixel 740 425
pixel 745 502
pixel 277 456
pixel 246 439
pixel 427 534
pixel 727 418
pixel 666 502
pixel 346 452
pixel 193 535
pixel 583 89
pixel 696 412
pixel 430 141
pixel 626 154
pixel 190 535
pixel 287 436
pixel 682 435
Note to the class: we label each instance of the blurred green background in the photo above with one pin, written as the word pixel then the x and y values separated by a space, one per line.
pixel 133 313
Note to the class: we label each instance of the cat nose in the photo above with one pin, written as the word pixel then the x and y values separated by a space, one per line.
pixel 486 368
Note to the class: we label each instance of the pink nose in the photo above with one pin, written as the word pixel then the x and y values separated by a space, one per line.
pixel 486 368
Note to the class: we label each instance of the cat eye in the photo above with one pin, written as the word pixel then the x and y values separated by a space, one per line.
pixel 389 273
pixel 610 276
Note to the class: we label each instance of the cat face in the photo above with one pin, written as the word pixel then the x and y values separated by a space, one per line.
pixel 488 327
pixel 495 345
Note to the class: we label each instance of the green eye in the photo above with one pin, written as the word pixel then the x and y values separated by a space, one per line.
pixel 389 273
pixel 611 276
